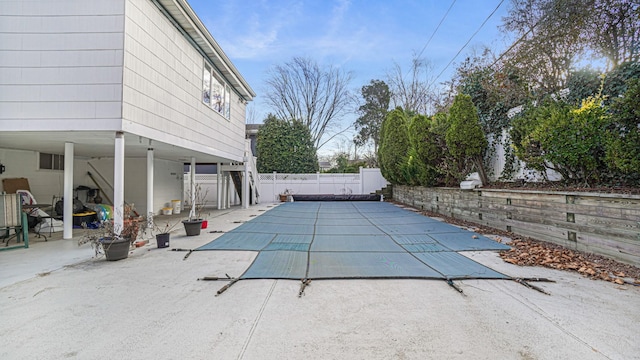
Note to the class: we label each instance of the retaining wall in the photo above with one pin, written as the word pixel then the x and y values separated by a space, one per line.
pixel 605 224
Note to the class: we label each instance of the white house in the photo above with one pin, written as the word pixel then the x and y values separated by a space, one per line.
pixel 128 89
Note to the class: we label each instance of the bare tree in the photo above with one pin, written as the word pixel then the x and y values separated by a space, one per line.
pixel 318 97
pixel 250 114
pixel 413 91
pixel 613 30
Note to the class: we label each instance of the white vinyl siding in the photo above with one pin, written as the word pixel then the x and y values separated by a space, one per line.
pixel 61 61
pixel 163 84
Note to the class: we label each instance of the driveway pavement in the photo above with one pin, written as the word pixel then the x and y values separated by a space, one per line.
pixel 151 306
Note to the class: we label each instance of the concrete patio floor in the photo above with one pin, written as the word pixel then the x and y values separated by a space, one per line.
pixel 56 301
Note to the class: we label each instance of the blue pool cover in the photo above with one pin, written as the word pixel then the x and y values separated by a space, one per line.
pixel 347 240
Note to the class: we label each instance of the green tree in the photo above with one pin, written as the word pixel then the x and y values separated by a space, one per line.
pixel 586 82
pixel 564 138
pixel 394 146
pixel 425 153
pixel 376 97
pixel 286 147
pixel 345 166
pixel 464 137
pixel 623 135
pixel 573 141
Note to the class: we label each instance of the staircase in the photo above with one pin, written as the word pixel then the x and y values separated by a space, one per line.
pixel 386 192
pixel 236 172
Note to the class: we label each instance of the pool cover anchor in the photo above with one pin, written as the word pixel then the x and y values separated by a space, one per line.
pixel 456 287
pixel 186 256
pixel 216 278
pixel 525 282
pixel 303 285
pixel 224 288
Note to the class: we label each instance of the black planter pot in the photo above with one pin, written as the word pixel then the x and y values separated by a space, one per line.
pixel 192 227
pixel 163 240
pixel 115 248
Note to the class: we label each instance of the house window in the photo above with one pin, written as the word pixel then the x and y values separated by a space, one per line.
pixel 51 162
pixel 206 85
pixel 227 102
pixel 215 93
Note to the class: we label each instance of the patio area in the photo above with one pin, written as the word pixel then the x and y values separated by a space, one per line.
pixel 58 302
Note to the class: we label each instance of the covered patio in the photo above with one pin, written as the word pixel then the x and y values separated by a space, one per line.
pixel 125 167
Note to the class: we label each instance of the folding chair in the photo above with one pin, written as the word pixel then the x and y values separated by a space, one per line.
pixel 12 218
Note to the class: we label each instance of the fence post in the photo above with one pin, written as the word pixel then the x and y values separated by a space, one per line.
pixel 318 180
pixel 361 181
pixel 275 192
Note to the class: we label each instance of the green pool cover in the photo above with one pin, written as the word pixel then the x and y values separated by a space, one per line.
pixel 353 240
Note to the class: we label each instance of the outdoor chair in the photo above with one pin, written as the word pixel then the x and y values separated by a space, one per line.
pixel 12 218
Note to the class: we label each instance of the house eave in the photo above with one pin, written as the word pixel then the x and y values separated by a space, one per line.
pixel 187 19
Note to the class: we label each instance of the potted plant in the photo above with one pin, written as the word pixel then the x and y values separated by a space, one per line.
pixel 194 223
pixel 104 240
pixel 163 233
pixel 284 196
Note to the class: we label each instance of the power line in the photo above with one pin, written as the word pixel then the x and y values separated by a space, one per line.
pixel 519 40
pixel 467 43
pixel 431 37
pixel 437 27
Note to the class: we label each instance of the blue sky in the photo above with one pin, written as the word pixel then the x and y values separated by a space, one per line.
pixel 365 37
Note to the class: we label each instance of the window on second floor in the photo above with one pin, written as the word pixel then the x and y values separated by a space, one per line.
pixel 206 85
pixel 215 93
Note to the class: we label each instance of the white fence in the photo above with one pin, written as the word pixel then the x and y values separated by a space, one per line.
pixel 271 185
pixel 364 182
pixel 209 186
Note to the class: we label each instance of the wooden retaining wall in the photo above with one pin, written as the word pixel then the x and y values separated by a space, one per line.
pixel 605 224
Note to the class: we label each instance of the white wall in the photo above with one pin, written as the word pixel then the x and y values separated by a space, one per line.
pixel 60 61
pixel 163 86
pixel 44 184
pixel 168 180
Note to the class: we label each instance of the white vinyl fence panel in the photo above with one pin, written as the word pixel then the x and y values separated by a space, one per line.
pixel 208 184
pixel 271 185
pixel 364 182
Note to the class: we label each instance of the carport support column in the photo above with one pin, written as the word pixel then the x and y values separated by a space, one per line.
pixel 245 184
pixel 218 186
pixel 118 183
pixel 229 190
pixel 67 230
pixel 150 211
pixel 192 187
